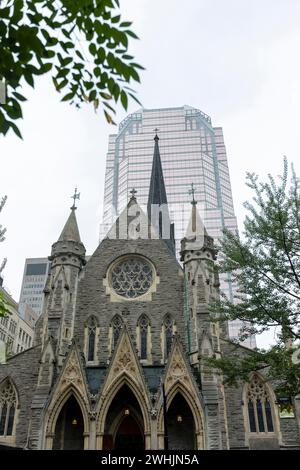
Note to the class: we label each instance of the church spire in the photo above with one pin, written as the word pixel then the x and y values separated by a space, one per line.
pixel 157 199
pixel 157 190
pixel 196 236
pixel 70 231
pixel 195 227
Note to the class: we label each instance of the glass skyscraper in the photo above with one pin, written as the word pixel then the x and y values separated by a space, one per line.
pixel 192 151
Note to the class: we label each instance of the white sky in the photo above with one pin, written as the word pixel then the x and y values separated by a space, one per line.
pixel 236 60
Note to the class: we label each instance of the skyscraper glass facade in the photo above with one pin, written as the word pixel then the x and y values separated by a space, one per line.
pixel 192 151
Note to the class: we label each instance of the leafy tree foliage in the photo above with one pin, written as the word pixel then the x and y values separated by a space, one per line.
pixel 265 264
pixel 84 43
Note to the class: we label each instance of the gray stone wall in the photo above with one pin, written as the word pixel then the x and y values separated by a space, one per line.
pixel 23 370
pixel 290 432
pixel 235 417
pixel 92 298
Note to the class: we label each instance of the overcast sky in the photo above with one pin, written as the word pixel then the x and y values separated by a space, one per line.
pixel 236 60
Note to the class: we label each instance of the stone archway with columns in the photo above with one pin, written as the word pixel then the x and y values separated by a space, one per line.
pixel 71 382
pixel 178 379
pixel 124 369
pixel 195 408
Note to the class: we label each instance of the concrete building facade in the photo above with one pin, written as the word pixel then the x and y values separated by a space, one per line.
pixel 15 332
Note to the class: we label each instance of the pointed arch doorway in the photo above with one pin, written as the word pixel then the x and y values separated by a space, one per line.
pixel 69 427
pixel 181 425
pixel 124 427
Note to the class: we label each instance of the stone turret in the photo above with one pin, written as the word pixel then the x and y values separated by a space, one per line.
pixel 67 259
pixel 198 254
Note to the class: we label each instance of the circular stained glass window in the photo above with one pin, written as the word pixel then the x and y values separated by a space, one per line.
pixel 131 277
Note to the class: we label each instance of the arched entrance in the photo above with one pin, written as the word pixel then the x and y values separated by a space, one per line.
pixel 181 426
pixel 69 427
pixel 124 427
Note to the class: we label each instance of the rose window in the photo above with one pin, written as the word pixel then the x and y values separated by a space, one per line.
pixel 132 277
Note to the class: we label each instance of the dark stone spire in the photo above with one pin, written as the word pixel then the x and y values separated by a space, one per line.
pixel 157 190
pixel 157 206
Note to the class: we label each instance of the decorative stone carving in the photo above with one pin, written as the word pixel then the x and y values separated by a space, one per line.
pixel 7 394
pixel 92 415
pixel 177 370
pixel 257 390
pixel 93 398
pixel 72 373
pixel 153 397
pixel 125 359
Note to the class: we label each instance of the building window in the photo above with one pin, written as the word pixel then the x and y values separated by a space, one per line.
pixel 116 327
pixel 131 277
pixel 259 409
pixel 91 338
pixel 143 329
pixel 168 330
pixel 8 401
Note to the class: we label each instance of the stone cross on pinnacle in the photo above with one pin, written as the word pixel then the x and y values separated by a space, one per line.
pixel 133 192
pixel 192 192
pixel 75 196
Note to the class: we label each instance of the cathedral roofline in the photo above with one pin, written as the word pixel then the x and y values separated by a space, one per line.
pixel 70 231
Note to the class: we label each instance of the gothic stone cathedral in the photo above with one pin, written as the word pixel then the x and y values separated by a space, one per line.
pixel 117 361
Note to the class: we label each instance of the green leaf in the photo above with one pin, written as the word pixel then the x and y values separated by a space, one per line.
pixel 137 66
pixel 15 129
pixel 46 67
pixel 67 61
pixel 106 96
pixel 14 112
pixel 124 100
pixel 63 73
pixel 132 34
pixel 79 54
pixel 45 34
pixel 19 96
pixel 134 75
pixel 17 13
pixel 88 85
pixel 126 24
pixel 135 99
pixel 116 19
pixel 66 33
pixel 93 49
pixel 62 84
pixel 4 12
pixel 101 54
pixel 116 91
pixel 29 79
pixel 98 27
pixel 67 45
pixel 109 106
pixel 92 95
pixel 68 96
pixel 109 118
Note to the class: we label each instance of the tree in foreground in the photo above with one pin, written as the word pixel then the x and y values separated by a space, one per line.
pixel 84 43
pixel 265 264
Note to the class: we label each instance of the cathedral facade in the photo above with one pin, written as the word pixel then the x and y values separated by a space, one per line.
pixel 118 358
